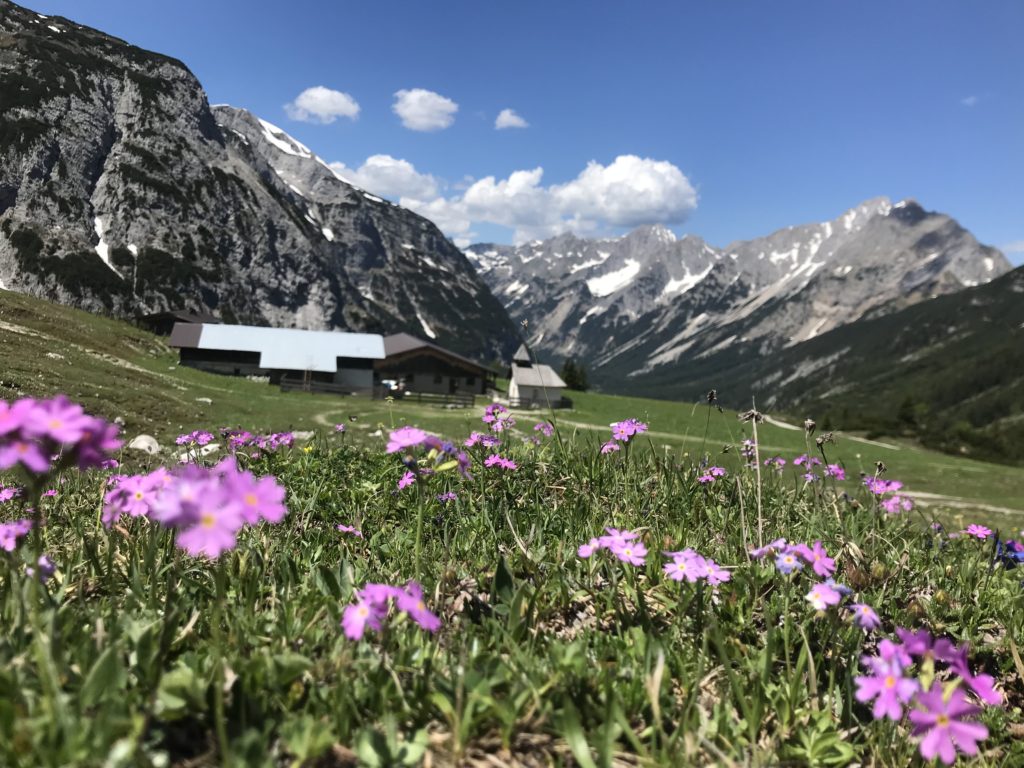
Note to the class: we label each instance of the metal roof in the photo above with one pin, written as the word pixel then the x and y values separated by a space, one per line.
pixel 522 355
pixel 536 376
pixel 288 349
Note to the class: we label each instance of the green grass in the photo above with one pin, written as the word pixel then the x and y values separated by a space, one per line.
pixel 128 657
pixel 117 370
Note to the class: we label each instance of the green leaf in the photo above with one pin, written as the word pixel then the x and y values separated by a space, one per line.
pixel 572 731
pixel 503 583
pixel 372 748
pixel 289 666
pixel 306 737
pixel 106 677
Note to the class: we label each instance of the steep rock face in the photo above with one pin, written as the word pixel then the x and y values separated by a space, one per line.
pixel 121 190
pixel 642 308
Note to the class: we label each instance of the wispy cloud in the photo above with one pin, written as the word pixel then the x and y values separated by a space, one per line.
pixel 322 105
pixel 508 118
pixel 1017 246
pixel 970 101
pixel 423 110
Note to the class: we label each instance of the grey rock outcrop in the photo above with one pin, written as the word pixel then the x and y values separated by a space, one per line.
pixel 123 191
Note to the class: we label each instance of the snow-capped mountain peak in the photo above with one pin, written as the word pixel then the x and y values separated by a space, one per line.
pixel 647 301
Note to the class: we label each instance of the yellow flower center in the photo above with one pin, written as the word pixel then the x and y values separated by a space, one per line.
pixel 208 520
pixel 363 611
pixel 942 721
pixel 138 495
pixel 250 499
pixel 890 681
pixel 56 423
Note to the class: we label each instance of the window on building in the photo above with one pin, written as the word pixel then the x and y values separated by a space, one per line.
pixel 438 378
pixel 470 381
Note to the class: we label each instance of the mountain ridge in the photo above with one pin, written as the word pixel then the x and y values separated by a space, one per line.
pixel 123 191
pixel 627 315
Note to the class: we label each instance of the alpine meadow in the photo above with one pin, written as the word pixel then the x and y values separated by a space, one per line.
pixel 524 385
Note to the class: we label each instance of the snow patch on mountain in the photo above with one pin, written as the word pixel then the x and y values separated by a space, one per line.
pixel 611 282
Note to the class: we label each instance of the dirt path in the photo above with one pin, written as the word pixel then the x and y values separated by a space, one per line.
pixel 956 502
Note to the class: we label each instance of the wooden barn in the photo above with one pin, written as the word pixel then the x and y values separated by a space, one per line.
pixel 335 360
pixel 415 365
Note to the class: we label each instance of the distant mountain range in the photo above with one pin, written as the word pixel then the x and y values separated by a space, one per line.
pixel 650 313
pixel 122 190
pixel 949 371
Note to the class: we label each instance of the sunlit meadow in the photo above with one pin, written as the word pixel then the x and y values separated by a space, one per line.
pixel 502 597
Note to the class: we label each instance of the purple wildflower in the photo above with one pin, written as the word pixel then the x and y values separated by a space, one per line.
pixel 822 596
pixel 45 567
pixel 624 430
pixel 447 496
pixel 686 565
pixel 887 686
pixel 495 460
pixel 622 544
pixel 351 529
pixel 406 480
pixel 835 471
pixel 25 452
pixel 197 437
pixel 787 562
pixel 864 616
pixel 817 558
pixel 358 616
pixel 610 447
pixel 978 531
pixel 498 417
pixel 768 549
pixel 546 428
pixel 11 532
pixel 404 438
pixel 943 727
pixel 371 608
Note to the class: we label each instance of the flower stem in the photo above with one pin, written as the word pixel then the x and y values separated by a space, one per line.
pixel 218 681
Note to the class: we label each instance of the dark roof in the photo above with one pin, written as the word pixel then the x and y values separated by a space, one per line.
pixel 401 343
pixel 182 316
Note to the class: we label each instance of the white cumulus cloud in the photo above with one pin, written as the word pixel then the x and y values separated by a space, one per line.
pixel 628 192
pixel 390 177
pixel 322 105
pixel 423 110
pixel 508 118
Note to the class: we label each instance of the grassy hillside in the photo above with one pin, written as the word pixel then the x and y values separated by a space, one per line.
pixel 948 371
pixel 117 370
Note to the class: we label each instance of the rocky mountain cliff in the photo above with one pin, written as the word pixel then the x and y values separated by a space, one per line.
pixel 122 190
pixel 644 309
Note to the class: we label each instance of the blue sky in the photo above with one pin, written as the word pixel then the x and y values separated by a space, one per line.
pixel 727 120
